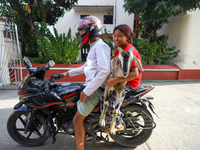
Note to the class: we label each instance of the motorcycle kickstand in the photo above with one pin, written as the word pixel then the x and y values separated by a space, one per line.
pixel 94 136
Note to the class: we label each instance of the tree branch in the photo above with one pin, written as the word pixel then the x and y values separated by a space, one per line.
pixel 54 5
pixel 15 5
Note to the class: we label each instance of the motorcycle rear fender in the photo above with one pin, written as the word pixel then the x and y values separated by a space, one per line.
pixel 147 104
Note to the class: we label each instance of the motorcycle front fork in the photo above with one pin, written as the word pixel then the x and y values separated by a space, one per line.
pixel 29 118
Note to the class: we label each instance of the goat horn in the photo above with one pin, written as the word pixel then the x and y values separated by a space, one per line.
pixel 119 49
pixel 138 62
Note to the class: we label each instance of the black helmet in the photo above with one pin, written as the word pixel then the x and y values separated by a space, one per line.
pixel 93 28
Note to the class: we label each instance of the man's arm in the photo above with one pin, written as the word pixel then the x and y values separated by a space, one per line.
pixel 75 71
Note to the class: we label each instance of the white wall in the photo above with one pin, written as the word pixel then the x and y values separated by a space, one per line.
pixel 99 2
pixel 123 17
pixel 184 33
pixel 68 21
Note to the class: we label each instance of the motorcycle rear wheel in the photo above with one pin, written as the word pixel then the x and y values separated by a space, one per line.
pixel 139 119
pixel 16 125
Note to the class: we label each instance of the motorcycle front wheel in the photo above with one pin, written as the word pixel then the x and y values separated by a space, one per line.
pixel 16 125
pixel 138 126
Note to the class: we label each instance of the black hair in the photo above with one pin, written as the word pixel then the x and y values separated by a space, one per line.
pixel 126 30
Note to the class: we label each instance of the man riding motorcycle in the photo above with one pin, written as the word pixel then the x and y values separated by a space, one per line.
pixel 96 69
pixel 46 108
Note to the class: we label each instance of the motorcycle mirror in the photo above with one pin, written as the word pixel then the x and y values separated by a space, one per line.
pixel 26 62
pixel 51 63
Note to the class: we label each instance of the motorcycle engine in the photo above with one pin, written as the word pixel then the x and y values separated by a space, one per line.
pixel 68 127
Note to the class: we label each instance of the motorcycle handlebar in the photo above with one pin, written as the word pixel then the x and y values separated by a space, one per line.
pixel 52 79
pixel 46 85
pixel 56 77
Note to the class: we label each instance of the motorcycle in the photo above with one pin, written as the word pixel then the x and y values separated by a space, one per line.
pixel 46 108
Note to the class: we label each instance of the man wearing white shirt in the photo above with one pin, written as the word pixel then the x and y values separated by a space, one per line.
pixel 96 69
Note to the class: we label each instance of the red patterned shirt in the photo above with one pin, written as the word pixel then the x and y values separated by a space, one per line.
pixel 135 82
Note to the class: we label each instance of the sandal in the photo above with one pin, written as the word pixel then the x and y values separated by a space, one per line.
pixel 116 128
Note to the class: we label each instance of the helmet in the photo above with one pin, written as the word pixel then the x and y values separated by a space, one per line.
pixel 93 28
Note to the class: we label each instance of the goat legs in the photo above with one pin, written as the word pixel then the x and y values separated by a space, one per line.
pixel 112 125
pixel 105 107
pixel 102 117
pixel 115 113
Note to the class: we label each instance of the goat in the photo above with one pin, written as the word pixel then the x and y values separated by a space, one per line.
pixel 120 69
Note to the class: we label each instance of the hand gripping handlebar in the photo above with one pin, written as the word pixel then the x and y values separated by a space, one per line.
pixel 56 77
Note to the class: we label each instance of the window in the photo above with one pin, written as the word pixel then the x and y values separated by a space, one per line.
pixel 82 16
pixel 108 19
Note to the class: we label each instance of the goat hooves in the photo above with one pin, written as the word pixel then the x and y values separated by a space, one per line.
pixel 112 131
pixel 102 123
pixel 112 128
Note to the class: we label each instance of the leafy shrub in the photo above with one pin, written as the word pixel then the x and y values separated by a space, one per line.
pixel 60 48
pixel 31 47
pixel 37 60
pixel 109 42
pixel 155 53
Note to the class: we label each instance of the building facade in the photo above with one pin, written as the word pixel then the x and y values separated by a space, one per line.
pixel 110 12
pixel 184 30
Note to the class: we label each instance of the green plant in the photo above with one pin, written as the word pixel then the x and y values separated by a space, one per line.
pixel 156 52
pixel 146 49
pixel 60 48
pixel 109 41
pixel 31 13
pixel 38 60
pixel 30 44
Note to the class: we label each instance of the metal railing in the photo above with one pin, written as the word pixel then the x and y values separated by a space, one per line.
pixel 10 55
